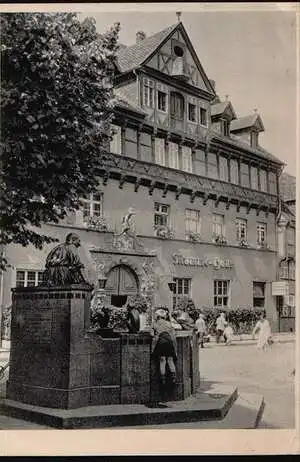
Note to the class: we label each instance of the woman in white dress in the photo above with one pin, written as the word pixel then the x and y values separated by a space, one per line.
pixel 264 332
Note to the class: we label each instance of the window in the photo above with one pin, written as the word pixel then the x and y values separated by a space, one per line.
pixel 263 180
pixel 272 183
pixel 203 116
pixel 182 289
pixel 241 229
pixel 245 179
pixel 254 139
pixel 92 206
pixel 192 113
pixel 131 142
pixel 287 269
pixel 161 214
pixel 234 171
pixel 212 166
pixel 223 168
pixel 258 294
pixel 221 293
pixel 148 93
pixel 290 242
pixel 187 162
pixel 225 127
pixel 254 178
pixel 28 278
pixel 162 101
pixel 192 221
pixel 200 162
pixel 261 233
pixel 116 142
pixel 160 153
pixel 217 225
pixel 177 106
pixel 173 155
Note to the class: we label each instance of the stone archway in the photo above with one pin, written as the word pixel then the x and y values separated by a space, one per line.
pixel 122 282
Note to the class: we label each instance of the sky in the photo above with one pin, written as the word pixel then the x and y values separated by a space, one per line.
pixel 250 54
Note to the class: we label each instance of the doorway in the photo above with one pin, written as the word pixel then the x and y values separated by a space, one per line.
pixel 122 282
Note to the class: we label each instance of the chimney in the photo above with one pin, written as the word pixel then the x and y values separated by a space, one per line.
pixel 140 36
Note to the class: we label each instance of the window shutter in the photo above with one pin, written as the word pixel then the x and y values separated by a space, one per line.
pixel 187 159
pixel 173 155
pixel 160 151
pixel 116 144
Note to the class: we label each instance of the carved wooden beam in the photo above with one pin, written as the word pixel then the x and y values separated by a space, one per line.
pixel 267 211
pixel 122 181
pixel 178 192
pixel 193 196
pixel 238 206
pixel 258 210
pixel 249 208
pixel 106 177
pixel 217 201
pixel 151 187
pixel 137 184
pixel 205 199
pixel 165 190
pixel 228 204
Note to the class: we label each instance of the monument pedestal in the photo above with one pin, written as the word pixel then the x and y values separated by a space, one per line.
pixel 45 328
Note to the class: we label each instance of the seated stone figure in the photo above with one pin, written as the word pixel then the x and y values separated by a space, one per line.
pixel 63 265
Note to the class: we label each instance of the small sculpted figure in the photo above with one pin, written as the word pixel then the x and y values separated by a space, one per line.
pixel 63 265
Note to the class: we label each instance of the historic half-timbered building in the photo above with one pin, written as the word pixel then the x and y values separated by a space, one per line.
pixel 187 194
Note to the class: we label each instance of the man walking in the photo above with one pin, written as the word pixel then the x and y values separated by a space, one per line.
pixel 201 329
pixel 220 326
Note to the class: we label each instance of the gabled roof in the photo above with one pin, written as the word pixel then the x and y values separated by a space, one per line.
pixel 218 109
pixel 135 55
pixel 138 54
pixel 252 120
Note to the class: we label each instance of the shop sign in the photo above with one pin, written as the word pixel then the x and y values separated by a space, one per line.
pixel 216 263
pixel 280 288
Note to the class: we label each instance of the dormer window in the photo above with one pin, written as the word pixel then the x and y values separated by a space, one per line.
pixel 225 127
pixel 161 101
pixel 192 113
pixel 148 93
pixel 203 116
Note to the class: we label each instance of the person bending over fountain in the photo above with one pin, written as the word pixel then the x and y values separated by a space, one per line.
pixel 164 345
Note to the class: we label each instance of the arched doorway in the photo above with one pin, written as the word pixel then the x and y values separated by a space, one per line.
pixel 121 283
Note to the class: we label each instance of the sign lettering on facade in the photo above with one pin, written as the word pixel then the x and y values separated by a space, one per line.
pixel 216 262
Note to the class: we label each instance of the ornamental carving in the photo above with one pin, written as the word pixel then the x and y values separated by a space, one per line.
pixel 192 181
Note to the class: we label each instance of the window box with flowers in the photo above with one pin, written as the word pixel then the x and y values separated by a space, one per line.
pixel 220 239
pixel 263 246
pixel 97 223
pixel 192 236
pixel 165 232
pixel 244 243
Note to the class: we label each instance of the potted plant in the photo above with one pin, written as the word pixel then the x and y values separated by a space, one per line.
pixel 164 231
pixel 220 239
pixel 192 236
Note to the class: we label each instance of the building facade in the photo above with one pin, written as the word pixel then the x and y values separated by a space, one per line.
pixel 187 194
pixel 284 288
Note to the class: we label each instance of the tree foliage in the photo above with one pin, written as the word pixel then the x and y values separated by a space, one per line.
pixel 57 100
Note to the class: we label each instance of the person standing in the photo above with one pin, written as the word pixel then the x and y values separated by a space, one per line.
pixel 201 329
pixel 264 332
pixel 221 323
pixel 228 334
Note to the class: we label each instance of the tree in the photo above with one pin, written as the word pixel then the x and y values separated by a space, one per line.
pixel 57 102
